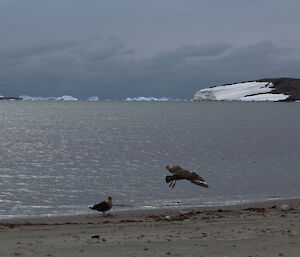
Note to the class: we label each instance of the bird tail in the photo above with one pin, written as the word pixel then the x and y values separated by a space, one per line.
pixel 169 179
pixel 92 207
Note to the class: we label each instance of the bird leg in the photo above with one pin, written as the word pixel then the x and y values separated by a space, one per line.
pixel 174 183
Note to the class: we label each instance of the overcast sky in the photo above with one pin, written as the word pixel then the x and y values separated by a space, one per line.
pixel 127 48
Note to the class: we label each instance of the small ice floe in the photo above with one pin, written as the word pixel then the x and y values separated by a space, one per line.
pixel 286 207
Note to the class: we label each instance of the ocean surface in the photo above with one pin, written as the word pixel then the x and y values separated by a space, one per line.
pixel 58 158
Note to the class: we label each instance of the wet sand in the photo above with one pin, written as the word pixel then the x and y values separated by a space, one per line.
pixel 259 229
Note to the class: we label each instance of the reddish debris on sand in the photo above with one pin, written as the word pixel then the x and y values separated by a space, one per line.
pixel 155 217
pixel 255 209
pixel 12 225
pixel 220 210
pixel 129 221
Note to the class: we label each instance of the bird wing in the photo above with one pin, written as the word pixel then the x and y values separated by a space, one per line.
pixel 103 206
pixel 199 182
pixel 180 173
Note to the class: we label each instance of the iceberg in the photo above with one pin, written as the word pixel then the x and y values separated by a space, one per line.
pixel 93 98
pixel 245 91
pixel 148 99
pixel 66 98
pixel 51 98
pixel 32 98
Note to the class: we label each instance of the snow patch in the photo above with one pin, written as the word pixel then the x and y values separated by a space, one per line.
pixel 246 91
pixel 265 97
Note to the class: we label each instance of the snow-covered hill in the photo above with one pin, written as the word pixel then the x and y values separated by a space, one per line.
pixel 274 90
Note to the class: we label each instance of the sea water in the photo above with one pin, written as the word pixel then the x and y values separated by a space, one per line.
pixel 58 158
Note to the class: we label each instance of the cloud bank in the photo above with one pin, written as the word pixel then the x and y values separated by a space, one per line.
pixel 109 68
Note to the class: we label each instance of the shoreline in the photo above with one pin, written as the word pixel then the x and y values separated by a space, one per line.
pixel 250 229
pixel 158 209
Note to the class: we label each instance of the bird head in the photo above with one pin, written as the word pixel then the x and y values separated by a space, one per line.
pixel 172 168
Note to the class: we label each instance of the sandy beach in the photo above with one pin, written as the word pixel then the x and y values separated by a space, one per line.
pixel 258 229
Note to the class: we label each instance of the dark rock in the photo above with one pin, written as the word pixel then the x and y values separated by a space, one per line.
pixel 287 86
pixel 11 98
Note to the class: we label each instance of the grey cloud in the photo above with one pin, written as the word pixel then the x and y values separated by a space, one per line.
pixel 265 49
pixel 100 50
pixel 20 53
pixel 254 61
pixel 193 51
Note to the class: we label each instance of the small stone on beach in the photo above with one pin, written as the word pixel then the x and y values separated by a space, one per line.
pixel 286 207
pixel 168 218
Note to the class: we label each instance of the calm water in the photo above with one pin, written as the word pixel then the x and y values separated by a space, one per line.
pixel 58 158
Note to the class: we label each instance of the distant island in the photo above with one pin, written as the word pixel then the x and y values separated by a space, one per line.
pixel 51 98
pixel 268 89
pixel 10 98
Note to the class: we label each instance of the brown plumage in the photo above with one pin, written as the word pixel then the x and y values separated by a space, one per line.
pixel 103 206
pixel 180 173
